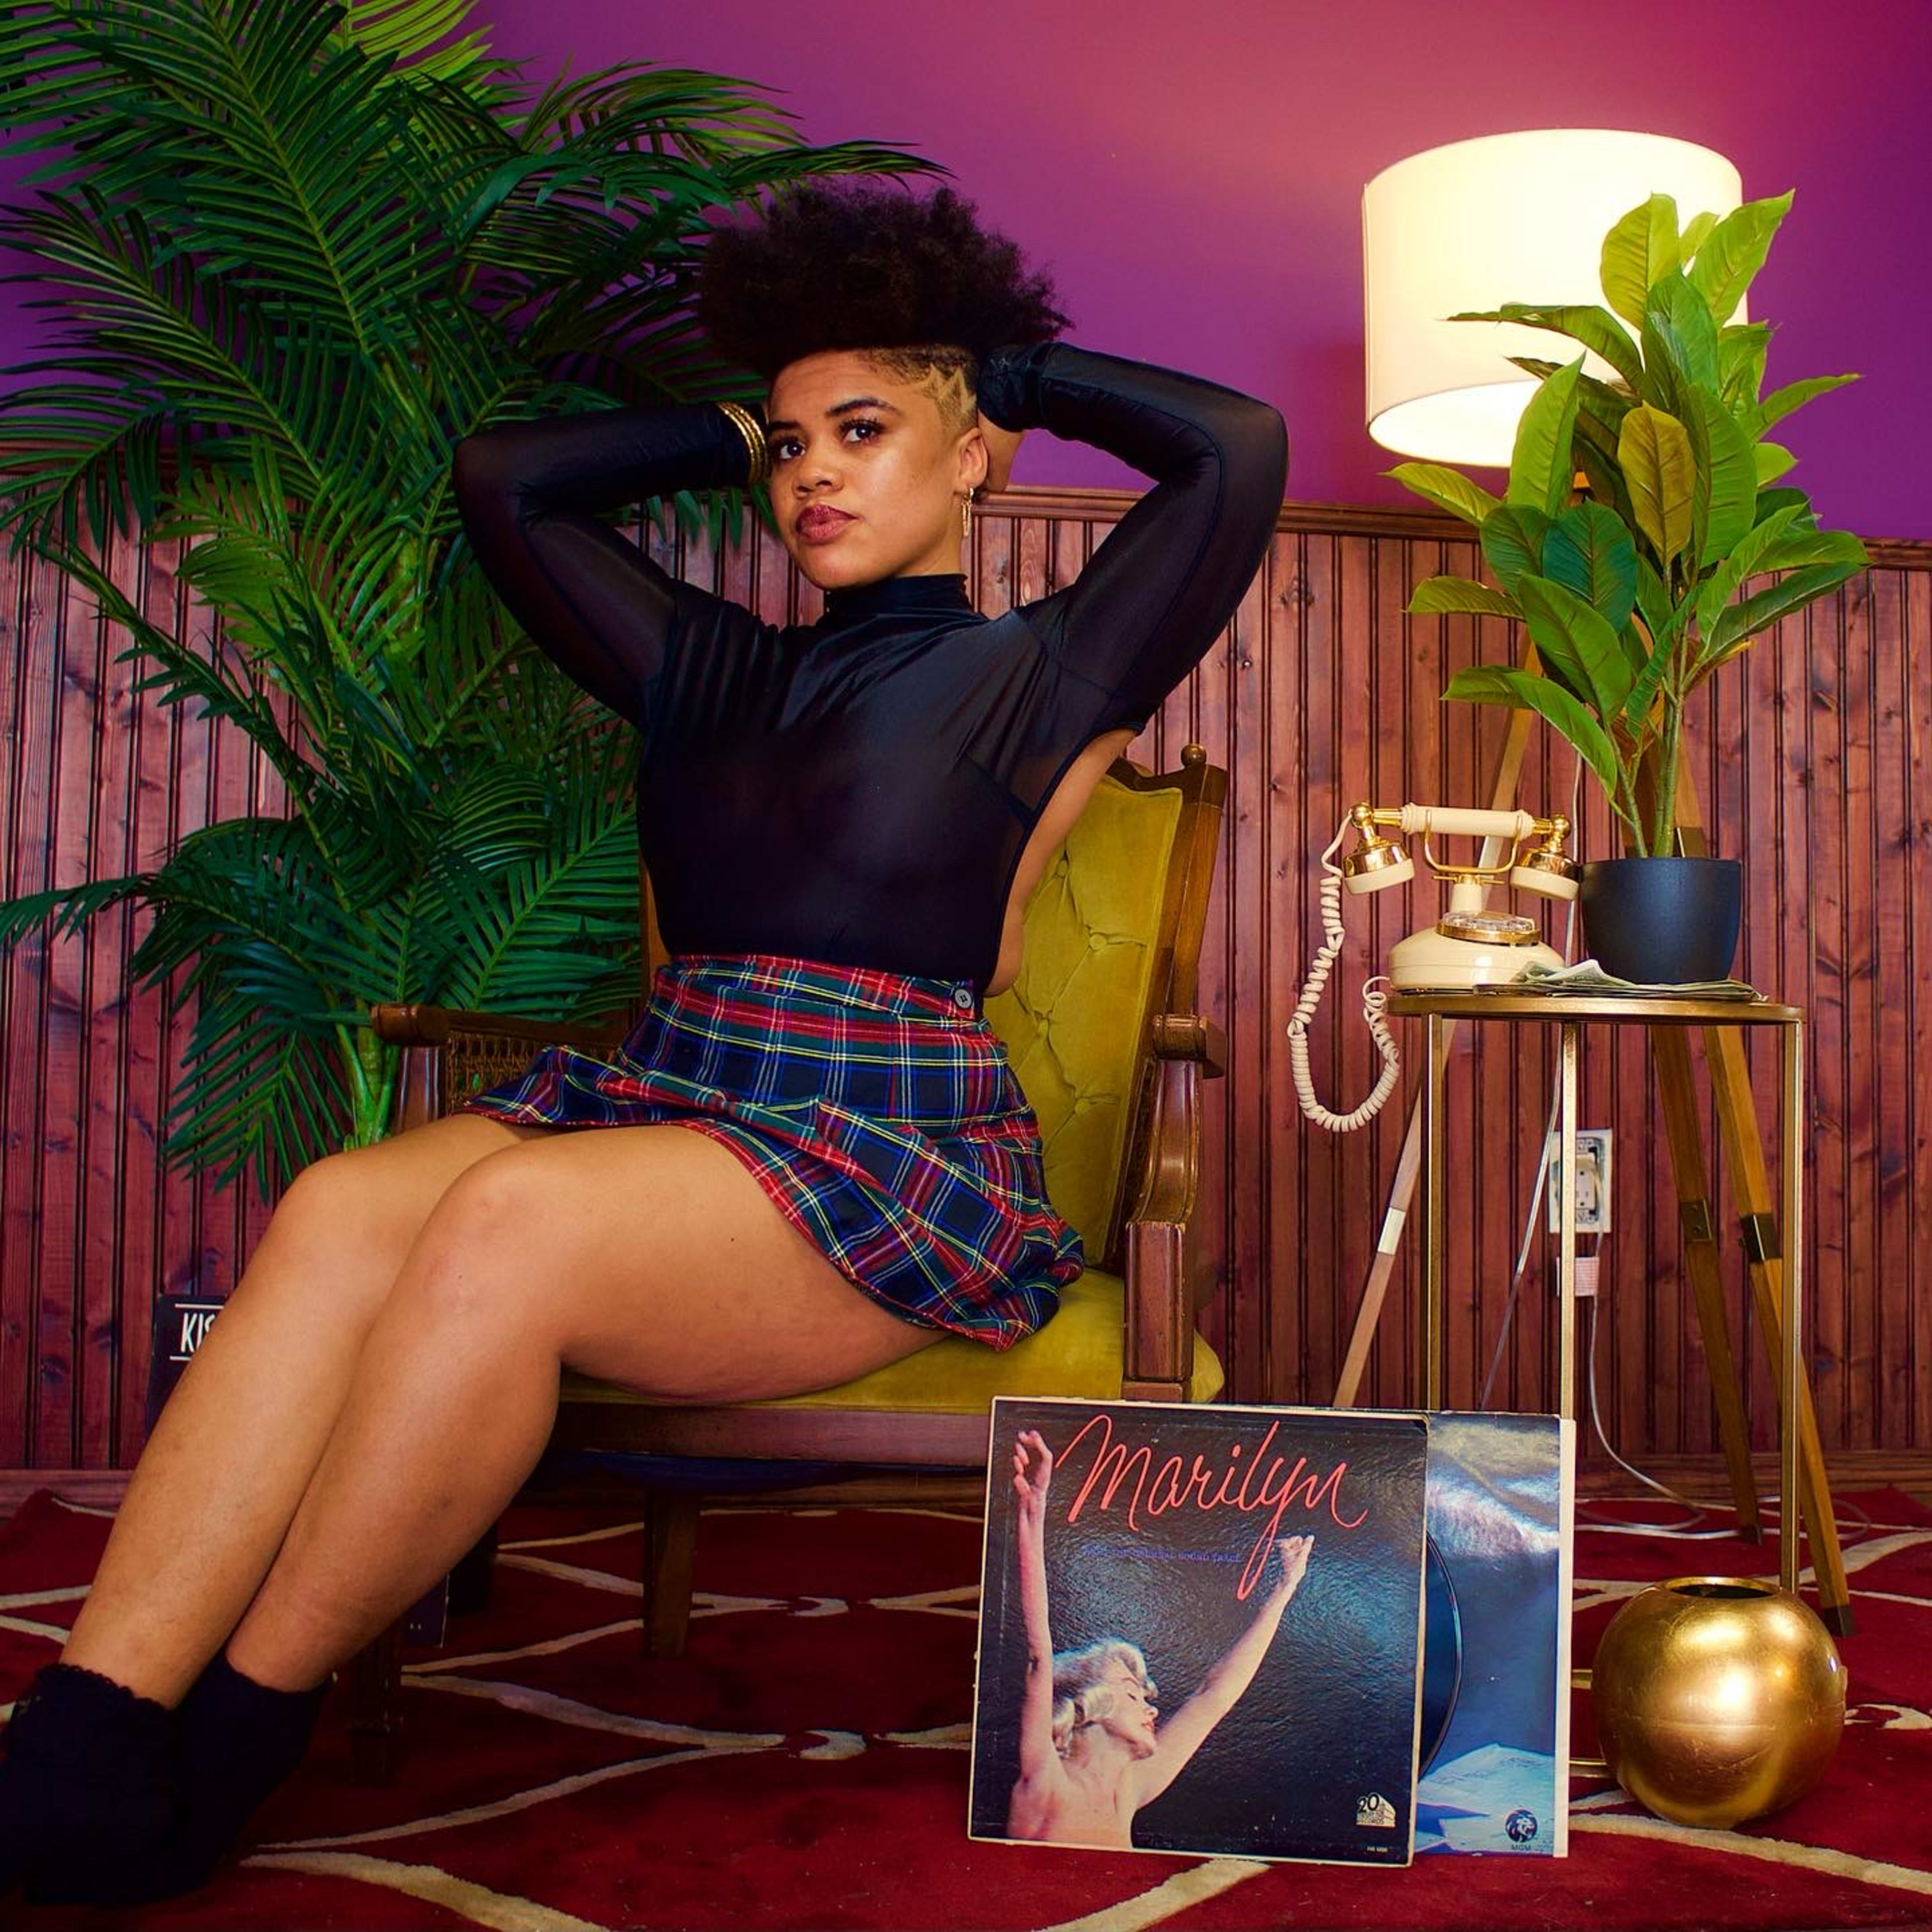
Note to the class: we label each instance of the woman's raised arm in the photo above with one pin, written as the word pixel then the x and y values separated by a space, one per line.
pixel 1040 1762
pixel 531 494
pixel 1187 1731
pixel 1159 590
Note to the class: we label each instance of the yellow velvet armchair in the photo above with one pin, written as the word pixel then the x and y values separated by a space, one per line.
pixel 1101 1030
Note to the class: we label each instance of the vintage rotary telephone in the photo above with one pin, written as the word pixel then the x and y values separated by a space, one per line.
pixel 1467 947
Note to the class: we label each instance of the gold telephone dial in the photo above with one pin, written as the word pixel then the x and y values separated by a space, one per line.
pixel 1468 947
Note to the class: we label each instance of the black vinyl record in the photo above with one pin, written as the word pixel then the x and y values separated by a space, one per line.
pixel 1442 1650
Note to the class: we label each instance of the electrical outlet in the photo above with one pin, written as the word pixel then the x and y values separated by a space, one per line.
pixel 1592 1185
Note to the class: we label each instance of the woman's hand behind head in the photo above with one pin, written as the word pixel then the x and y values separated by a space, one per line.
pixel 1002 446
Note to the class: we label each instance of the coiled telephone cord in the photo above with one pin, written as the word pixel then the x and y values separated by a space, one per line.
pixel 1374 1000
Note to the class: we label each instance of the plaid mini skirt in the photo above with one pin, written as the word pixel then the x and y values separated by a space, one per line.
pixel 877 1112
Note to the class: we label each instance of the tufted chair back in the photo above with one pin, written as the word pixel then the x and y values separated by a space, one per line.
pixel 1074 1022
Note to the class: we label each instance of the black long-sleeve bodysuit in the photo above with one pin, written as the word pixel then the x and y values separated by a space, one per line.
pixel 860 790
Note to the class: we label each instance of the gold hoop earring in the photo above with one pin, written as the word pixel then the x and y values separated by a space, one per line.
pixel 965 514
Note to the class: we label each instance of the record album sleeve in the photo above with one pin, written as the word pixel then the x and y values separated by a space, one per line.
pixel 1495 1775
pixel 1200 1631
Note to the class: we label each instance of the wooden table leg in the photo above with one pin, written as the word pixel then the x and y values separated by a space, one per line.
pixel 1678 1091
pixel 1435 1160
pixel 1388 1245
pixel 1730 1086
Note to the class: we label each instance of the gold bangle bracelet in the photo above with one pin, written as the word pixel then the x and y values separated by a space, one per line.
pixel 752 430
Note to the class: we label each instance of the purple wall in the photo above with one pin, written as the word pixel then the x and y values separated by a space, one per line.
pixel 1193 173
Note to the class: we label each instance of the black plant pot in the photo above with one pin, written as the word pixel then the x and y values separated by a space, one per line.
pixel 1661 922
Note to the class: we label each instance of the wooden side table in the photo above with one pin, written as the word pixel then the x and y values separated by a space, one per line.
pixel 1805 1502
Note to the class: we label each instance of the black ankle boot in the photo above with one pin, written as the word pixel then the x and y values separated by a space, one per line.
pixel 239 1741
pixel 87 1787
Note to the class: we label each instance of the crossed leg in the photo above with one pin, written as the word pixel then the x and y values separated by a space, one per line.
pixel 386 1376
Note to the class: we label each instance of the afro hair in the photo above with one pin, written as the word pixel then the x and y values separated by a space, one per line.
pixel 867 266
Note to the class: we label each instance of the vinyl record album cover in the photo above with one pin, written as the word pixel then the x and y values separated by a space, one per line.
pixel 1500 1517
pixel 1200 1629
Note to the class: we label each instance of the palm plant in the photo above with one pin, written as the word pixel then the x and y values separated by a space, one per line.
pixel 1683 545
pixel 301 248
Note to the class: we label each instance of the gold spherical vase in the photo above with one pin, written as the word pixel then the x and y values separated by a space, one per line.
pixel 1718 1698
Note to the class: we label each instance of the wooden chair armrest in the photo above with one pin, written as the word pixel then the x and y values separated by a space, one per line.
pixel 1190 1036
pixel 433 1026
pixel 433 1039
pixel 1160 1340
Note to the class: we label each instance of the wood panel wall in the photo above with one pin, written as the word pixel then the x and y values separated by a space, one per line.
pixel 1321 693
pixel 100 782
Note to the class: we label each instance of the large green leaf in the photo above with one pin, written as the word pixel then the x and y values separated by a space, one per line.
pixel 1440 596
pixel 1781 403
pixel 1524 691
pixel 1741 347
pixel 1654 453
pixel 1605 401
pixel 1641 248
pixel 1641 698
pixel 1772 461
pixel 1576 642
pixel 1679 334
pixel 1447 489
pixel 1843 556
pixel 1724 496
pixel 1783 497
pixel 1540 468
pixel 1747 560
pixel 1593 326
pixel 1513 537
pixel 1661 618
pixel 1734 251
pixel 1695 230
pixel 1588 551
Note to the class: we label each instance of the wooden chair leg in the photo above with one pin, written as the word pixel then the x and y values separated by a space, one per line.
pixel 670 1541
pixel 374 1681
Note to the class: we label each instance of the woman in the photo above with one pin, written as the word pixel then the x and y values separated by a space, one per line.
pixel 1094 1748
pixel 813 1161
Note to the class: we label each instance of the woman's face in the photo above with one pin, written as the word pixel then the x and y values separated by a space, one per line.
pixel 1133 1716
pixel 867 474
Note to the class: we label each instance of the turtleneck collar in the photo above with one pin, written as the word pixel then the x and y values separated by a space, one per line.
pixel 936 596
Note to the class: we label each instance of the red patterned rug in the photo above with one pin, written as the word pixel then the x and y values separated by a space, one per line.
pixel 805 1765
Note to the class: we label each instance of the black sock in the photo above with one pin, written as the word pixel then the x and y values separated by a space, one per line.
pixel 239 1741
pixel 87 1784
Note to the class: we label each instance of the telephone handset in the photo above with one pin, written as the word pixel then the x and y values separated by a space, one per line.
pixel 1468 947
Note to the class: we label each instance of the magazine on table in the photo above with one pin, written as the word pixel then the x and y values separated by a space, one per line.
pixel 1228 1603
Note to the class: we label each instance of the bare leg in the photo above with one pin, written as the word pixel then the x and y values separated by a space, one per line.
pixel 640 1254
pixel 644 1255
pixel 234 1450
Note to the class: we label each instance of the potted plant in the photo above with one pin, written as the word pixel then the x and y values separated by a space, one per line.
pixel 1643 540
pixel 301 247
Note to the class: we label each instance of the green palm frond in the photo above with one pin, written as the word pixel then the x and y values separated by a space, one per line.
pixel 177 673
pixel 251 1097
pixel 416 35
pixel 565 916
pixel 64 910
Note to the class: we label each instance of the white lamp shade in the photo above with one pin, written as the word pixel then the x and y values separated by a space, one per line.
pixel 1510 217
